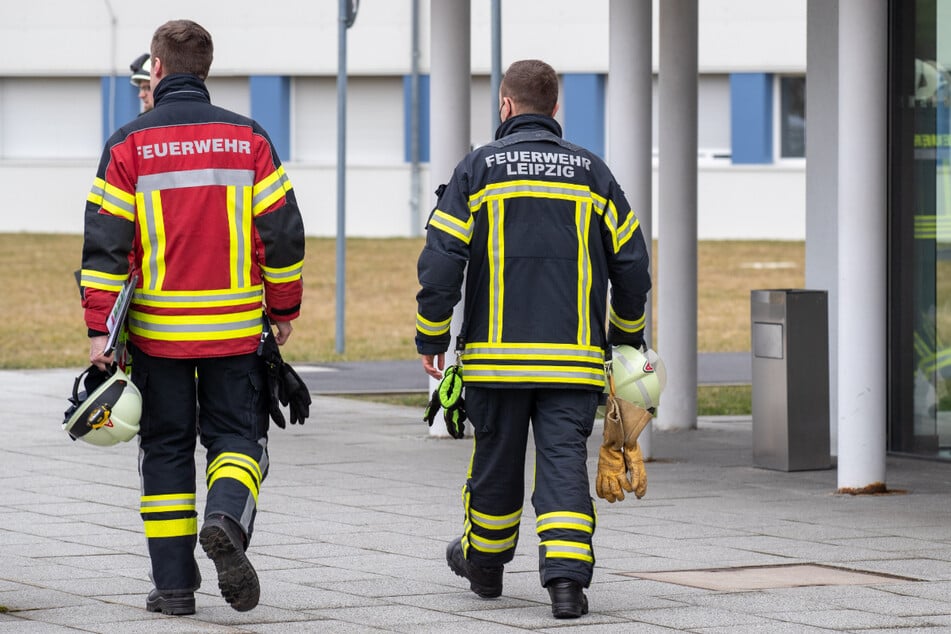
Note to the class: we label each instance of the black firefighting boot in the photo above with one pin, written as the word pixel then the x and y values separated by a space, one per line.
pixel 567 599
pixel 224 543
pixel 484 581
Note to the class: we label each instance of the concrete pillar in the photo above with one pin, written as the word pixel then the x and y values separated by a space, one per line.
pixel 863 58
pixel 677 212
pixel 449 106
pixel 629 121
pixel 822 173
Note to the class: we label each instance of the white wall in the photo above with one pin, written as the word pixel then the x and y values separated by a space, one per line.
pixel 50 110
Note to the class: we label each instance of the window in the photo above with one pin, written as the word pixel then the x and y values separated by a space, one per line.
pixel 792 117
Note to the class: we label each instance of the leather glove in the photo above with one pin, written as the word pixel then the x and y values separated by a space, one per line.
pixel 293 392
pixel 611 481
pixel 633 421
pixel 634 462
pixel 613 426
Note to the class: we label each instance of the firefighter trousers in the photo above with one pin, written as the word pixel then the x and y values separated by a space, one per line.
pixel 232 421
pixel 561 420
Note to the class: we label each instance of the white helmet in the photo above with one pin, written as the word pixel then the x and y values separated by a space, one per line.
pixel 109 414
pixel 639 377
pixel 141 68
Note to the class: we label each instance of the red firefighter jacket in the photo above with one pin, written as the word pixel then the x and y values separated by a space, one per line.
pixel 194 199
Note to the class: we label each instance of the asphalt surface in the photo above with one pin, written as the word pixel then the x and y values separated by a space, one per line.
pixel 360 502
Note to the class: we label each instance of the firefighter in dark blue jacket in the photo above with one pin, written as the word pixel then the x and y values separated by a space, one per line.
pixel 544 228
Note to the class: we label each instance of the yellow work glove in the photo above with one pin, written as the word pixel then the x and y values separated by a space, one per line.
pixel 634 461
pixel 611 481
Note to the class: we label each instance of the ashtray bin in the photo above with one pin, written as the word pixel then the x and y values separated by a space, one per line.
pixel 790 348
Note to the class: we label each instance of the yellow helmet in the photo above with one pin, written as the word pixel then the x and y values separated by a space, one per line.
pixel 107 411
pixel 639 376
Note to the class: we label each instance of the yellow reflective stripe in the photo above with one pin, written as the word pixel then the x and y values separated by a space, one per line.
pixel 561 549
pixel 538 374
pixel 585 274
pixel 152 237
pixel 195 327
pixel 529 188
pixel 432 328
pixel 112 199
pixel 167 502
pixel 626 231
pixel 231 457
pixel 453 226
pixel 235 473
pixel 269 190
pixel 627 325
pixel 492 545
pixel 171 528
pixel 283 274
pixel 496 211
pixel 495 522
pixel 239 230
pixel 101 280
pixel 199 299
pixel 564 519
pixel 525 351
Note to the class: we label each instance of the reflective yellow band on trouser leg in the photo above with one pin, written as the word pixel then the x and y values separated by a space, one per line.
pixel 560 549
pixel 171 528
pixel 235 473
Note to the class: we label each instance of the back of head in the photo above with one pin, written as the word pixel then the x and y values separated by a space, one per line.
pixel 183 46
pixel 532 84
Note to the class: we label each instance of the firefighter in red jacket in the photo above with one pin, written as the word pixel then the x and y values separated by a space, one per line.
pixel 193 199
pixel 543 227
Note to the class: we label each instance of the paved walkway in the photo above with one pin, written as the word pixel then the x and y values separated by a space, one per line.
pixel 360 503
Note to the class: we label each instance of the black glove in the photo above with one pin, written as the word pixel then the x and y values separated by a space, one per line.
pixel 273 364
pixel 293 392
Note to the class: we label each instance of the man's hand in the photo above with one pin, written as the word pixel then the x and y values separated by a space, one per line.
pixel 97 345
pixel 284 329
pixel 433 364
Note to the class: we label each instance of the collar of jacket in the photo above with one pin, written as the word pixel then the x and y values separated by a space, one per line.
pixel 181 87
pixel 526 122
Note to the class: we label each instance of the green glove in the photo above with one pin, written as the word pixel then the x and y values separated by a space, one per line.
pixel 448 396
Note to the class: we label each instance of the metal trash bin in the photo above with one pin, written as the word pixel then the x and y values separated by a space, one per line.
pixel 790 348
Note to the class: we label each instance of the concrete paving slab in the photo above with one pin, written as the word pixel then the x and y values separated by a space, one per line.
pixel 360 502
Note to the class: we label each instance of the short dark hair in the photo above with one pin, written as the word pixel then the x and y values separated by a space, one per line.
pixel 532 84
pixel 184 47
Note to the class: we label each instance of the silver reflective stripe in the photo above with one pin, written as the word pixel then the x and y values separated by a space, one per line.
pixel 552 520
pixel 157 505
pixel 491 545
pixel 584 213
pixel 534 352
pixel 523 187
pixel 241 248
pixel 161 298
pixel 118 202
pixel 495 522
pixel 274 276
pixel 91 278
pixel 564 550
pixel 218 327
pixel 475 372
pixel 153 249
pixel 195 178
pixel 278 184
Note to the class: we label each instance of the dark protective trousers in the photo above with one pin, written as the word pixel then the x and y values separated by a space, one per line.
pixel 231 419
pixel 561 420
